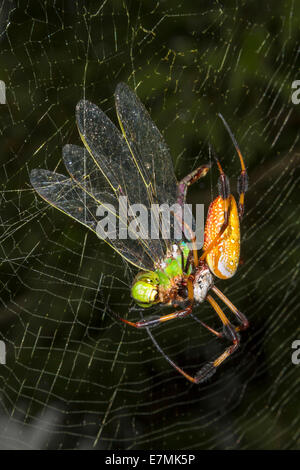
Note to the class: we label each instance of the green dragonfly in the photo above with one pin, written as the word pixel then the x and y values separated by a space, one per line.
pixel 136 163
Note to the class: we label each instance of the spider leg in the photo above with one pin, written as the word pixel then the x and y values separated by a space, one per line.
pixel 244 323
pixel 188 180
pixel 156 321
pixel 208 370
pixel 170 361
pixel 190 287
pixel 182 188
pixel 178 314
pixel 242 184
pixel 229 332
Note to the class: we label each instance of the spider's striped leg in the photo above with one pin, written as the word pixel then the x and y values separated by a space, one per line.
pixel 244 323
pixel 170 361
pixel 156 321
pixel 229 332
pixel 242 187
pixel 208 370
pixel 191 178
pixel 242 184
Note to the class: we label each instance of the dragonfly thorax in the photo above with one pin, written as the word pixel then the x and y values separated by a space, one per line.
pixel 165 285
pixel 168 283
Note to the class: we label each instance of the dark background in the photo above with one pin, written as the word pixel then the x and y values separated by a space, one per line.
pixel 75 378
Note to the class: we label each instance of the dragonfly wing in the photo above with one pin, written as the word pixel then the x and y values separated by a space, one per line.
pixel 85 172
pixel 112 158
pixel 69 197
pixel 150 154
pixel 137 165
pixel 109 151
pixel 147 145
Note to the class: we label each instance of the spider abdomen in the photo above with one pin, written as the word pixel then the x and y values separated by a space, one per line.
pixel 223 259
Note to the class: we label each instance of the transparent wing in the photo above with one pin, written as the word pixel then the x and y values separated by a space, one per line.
pixel 147 146
pixel 69 197
pixel 137 166
pixel 123 173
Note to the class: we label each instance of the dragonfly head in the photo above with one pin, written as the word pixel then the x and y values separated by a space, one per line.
pixel 145 289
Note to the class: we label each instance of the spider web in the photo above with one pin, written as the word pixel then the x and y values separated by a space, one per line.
pixel 74 378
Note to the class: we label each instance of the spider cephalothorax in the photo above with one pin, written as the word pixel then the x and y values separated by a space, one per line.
pixel 203 282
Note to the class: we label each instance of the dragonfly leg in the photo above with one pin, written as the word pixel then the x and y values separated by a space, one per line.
pixel 156 321
pixel 189 262
pixel 229 332
pixel 184 226
pixel 191 178
pixel 217 333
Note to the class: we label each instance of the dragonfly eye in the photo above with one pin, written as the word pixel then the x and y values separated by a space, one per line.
pixel 145 289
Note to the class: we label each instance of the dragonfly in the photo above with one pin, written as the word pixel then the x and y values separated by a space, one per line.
pixel 136 162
